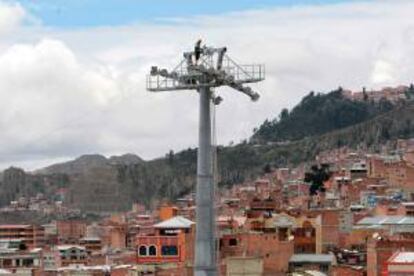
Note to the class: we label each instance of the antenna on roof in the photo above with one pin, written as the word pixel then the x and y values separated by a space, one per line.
pixel 203 69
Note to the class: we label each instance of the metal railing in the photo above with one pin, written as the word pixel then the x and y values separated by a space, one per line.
pixel 189 79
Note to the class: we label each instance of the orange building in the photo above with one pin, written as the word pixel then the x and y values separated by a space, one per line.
pixel 274 249
pixel 305 238
pixel 92 245
pixel 31 235
pixel 112 234
pixel 117 236
pixel 70 231
pixel 399 173
pixel 171 242
pixel 167 212
pixel 329 236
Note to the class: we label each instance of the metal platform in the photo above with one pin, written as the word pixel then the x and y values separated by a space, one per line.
pixel 189 77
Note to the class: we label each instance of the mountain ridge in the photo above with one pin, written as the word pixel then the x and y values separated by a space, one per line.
pixel 86 162
pixel 102 180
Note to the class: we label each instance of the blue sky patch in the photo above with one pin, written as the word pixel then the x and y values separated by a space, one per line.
pixel 92 13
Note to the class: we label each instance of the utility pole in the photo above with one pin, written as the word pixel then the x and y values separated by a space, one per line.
pixel 201 70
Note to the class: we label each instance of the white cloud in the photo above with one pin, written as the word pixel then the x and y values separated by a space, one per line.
pixel 84 90
pixel 384 73
pixel 11 16
pixel 46 96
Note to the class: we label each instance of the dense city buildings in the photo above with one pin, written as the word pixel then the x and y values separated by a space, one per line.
pixel 360 223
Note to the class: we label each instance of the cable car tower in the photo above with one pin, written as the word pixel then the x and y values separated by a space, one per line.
pixel 204 69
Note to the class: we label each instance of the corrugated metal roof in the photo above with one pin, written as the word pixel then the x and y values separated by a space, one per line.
pixel 404 257
pixel 312 258
pixel 175 222
pixel 69 246
pixel 386 220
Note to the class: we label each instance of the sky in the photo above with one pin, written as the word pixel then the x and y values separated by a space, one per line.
pixel 72 73
pixel 77 13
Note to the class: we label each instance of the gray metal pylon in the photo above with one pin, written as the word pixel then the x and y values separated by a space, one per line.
pixel 205 250
pixel 213 69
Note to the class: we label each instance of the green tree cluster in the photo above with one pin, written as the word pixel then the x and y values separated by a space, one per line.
pixel 317 114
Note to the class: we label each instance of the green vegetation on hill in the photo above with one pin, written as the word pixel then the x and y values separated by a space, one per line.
pixel 318 123
pixel 318 114
pixel 246 161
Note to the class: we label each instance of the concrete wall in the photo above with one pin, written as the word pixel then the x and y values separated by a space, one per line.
pixel 244 266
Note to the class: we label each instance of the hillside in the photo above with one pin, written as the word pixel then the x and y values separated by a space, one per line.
pixel 99 184
pixel 90 161
pixel 247 160
pixel 317 114
pixel 175 175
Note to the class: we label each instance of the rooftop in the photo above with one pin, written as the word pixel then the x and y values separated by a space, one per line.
pixel 175 222
pixel 309 273
pixel 403 257
pixel 90 239
pixel 67 247
pixel 312 258
pixel 14 226
pixel 387 220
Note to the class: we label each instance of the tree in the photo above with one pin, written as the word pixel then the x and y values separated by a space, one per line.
pixel 316 177
pixel 284 114
pixel 170 157
pixel 364 93
pixel 267 168
pixel 410 92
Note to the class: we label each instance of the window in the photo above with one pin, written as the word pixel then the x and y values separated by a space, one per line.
pixel 233 242
pixel 142 251
pixel 169 250
pixel 324 267
pixel 152 250
pixel 283 234
pixel 28 262
pixel 7 262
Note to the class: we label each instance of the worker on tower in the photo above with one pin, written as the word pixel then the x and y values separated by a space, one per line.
pixel 197 51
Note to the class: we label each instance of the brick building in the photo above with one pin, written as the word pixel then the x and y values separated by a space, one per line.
pixel 171 242
pixel 274 248
pixel 70 254
pixel 31 235
pixel 70 231
pixel 380 250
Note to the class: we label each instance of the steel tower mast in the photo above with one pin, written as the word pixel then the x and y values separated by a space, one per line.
pixel 203 69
